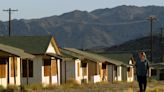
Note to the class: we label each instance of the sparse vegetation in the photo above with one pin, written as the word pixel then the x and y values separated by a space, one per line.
pixel 73 86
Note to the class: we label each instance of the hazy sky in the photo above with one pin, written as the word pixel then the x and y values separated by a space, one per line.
pixel 43 8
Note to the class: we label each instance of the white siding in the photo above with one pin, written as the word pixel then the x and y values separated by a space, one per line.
pixel 119 73
pixel 78 78
pixel 130 79
pixel 36 79
pixel 51 49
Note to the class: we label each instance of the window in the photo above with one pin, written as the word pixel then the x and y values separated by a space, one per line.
pixel 47 64
pixel 2 67
pixel 103 66
pixel 129 71
pixel 84 68
pixel 27 68
pixel 153 72
pixel 13 66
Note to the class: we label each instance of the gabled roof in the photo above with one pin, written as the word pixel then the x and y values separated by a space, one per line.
pixel 30 44
pixel 92 56
pixel 15 51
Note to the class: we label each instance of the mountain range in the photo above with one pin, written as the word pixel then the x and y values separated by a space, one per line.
pixel 98 28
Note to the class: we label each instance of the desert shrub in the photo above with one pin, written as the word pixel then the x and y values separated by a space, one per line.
pixel 12 88
pixel 32 87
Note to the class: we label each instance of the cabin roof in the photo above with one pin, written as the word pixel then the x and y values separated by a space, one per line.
pixel 30 44
pixel 122 57
pixel 91 56
pixel 15 51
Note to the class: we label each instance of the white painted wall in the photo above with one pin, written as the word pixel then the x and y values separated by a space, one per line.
pixel 78 78
pixel 119 73
pixel 37 69
pixel 130 79
pixel 50 49
pixel 95 78
pixel 57 79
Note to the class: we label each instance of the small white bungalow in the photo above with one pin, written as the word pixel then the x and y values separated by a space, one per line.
pixel 125 71
pixel 10 58
pixel 45 67
pixel 88 67
pixel 157 71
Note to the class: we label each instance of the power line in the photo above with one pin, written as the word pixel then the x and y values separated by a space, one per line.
pixel 103 24
pixel 9 25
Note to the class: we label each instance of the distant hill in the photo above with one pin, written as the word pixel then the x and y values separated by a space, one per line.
pixel 133 46
pixel 98 28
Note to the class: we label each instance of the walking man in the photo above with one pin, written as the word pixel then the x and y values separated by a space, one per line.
pixel 142 69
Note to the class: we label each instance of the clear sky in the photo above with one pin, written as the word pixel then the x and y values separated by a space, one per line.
pixel 29 9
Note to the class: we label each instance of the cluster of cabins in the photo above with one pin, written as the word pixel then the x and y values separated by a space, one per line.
pixel 39 60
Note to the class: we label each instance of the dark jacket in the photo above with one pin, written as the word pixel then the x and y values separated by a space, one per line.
pixel 142 68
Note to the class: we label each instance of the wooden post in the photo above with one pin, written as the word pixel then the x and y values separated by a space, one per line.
pixel 27 68
pixel 14 69
pixel 50 75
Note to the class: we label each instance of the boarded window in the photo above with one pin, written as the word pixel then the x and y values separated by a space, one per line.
pixel 54 67
pixel 129 71
pixel 47 64
pixel 153 72
pixel 103 66
pixel 13 66
pixel 2 67
pixel 27 68
pixel 78 69
pixel 84 69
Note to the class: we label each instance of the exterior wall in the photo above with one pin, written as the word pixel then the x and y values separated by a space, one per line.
pixel 37 69
pixel 124 73
pixel 78 78
pixel 58 78
pixel 72 71
pixel 110 73
pixel 54 79
pixel 3 81
pixel 50 48
pixel 93 74
pixel 119 73
pixel 11 79
pixel 130 79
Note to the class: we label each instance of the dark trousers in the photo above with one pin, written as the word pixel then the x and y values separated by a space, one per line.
pixel 142 81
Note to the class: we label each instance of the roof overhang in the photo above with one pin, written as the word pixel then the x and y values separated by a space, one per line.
pixel 54 55
pixel 12 51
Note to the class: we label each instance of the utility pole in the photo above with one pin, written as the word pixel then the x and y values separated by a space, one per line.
pixel 162 59
pixel 9 25
pixel 151 19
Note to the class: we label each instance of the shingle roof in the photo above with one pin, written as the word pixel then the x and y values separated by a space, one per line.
pixel 30 44
pixel 93 56
pixel 122 57
pixel 15 51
